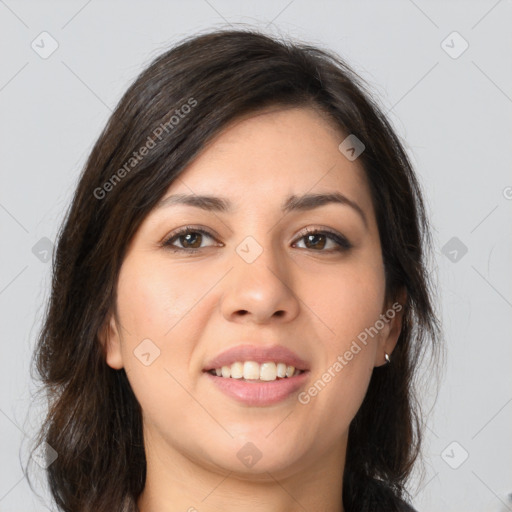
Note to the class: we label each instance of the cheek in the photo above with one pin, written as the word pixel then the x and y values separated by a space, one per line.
pixel 157 305
pixel 153 300
pixel 346 302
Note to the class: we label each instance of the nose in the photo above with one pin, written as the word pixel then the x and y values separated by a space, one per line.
pixel 260 291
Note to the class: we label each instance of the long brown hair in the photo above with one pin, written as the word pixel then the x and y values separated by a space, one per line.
pixel 175 106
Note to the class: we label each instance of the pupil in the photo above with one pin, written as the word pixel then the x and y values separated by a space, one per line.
pixel 309 237
pixel 187 238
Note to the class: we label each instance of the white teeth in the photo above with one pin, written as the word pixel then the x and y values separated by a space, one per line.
pixel 237 370
pixel 289 371
pixel 281 370
pixel 268 371
pixel 250 370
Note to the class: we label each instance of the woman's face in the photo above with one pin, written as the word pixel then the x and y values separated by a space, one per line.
pixel 258 284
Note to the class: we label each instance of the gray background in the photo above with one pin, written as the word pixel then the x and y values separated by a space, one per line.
pixel 454 114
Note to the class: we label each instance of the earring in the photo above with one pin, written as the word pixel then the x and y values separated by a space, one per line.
pixel 387 358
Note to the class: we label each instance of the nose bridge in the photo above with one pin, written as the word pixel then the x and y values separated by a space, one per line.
pixel 259 249
pixel 259 261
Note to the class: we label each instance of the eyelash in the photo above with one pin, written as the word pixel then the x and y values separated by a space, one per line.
pixel 340 240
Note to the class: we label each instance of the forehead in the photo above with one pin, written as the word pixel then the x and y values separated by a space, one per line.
pixel 265 156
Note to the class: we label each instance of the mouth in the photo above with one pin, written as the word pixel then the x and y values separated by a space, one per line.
pixel 255 375
pixel 258 392
pixel 251 371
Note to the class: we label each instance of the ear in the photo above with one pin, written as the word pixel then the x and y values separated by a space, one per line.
pixel 391 332
pixel 110 340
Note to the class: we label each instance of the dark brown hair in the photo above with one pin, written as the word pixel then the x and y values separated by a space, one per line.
pixel 185 97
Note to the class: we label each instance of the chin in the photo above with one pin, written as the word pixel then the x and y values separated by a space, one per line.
pixel 258 457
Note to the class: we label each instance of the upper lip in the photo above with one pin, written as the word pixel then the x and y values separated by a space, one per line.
pixel 257 353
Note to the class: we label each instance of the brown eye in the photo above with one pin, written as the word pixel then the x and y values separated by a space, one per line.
pixel 189 238
pixel 317 240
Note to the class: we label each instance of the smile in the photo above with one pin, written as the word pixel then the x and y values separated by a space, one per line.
pixel 258 392
pixel 255 372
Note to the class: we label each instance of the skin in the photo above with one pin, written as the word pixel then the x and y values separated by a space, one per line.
pixel 192 307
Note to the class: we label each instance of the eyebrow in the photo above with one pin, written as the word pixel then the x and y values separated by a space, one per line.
pixel 292 203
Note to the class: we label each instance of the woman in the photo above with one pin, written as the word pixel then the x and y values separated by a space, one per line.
pixel 240 296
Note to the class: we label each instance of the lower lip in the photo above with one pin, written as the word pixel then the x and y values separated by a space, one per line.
pixel 259 393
